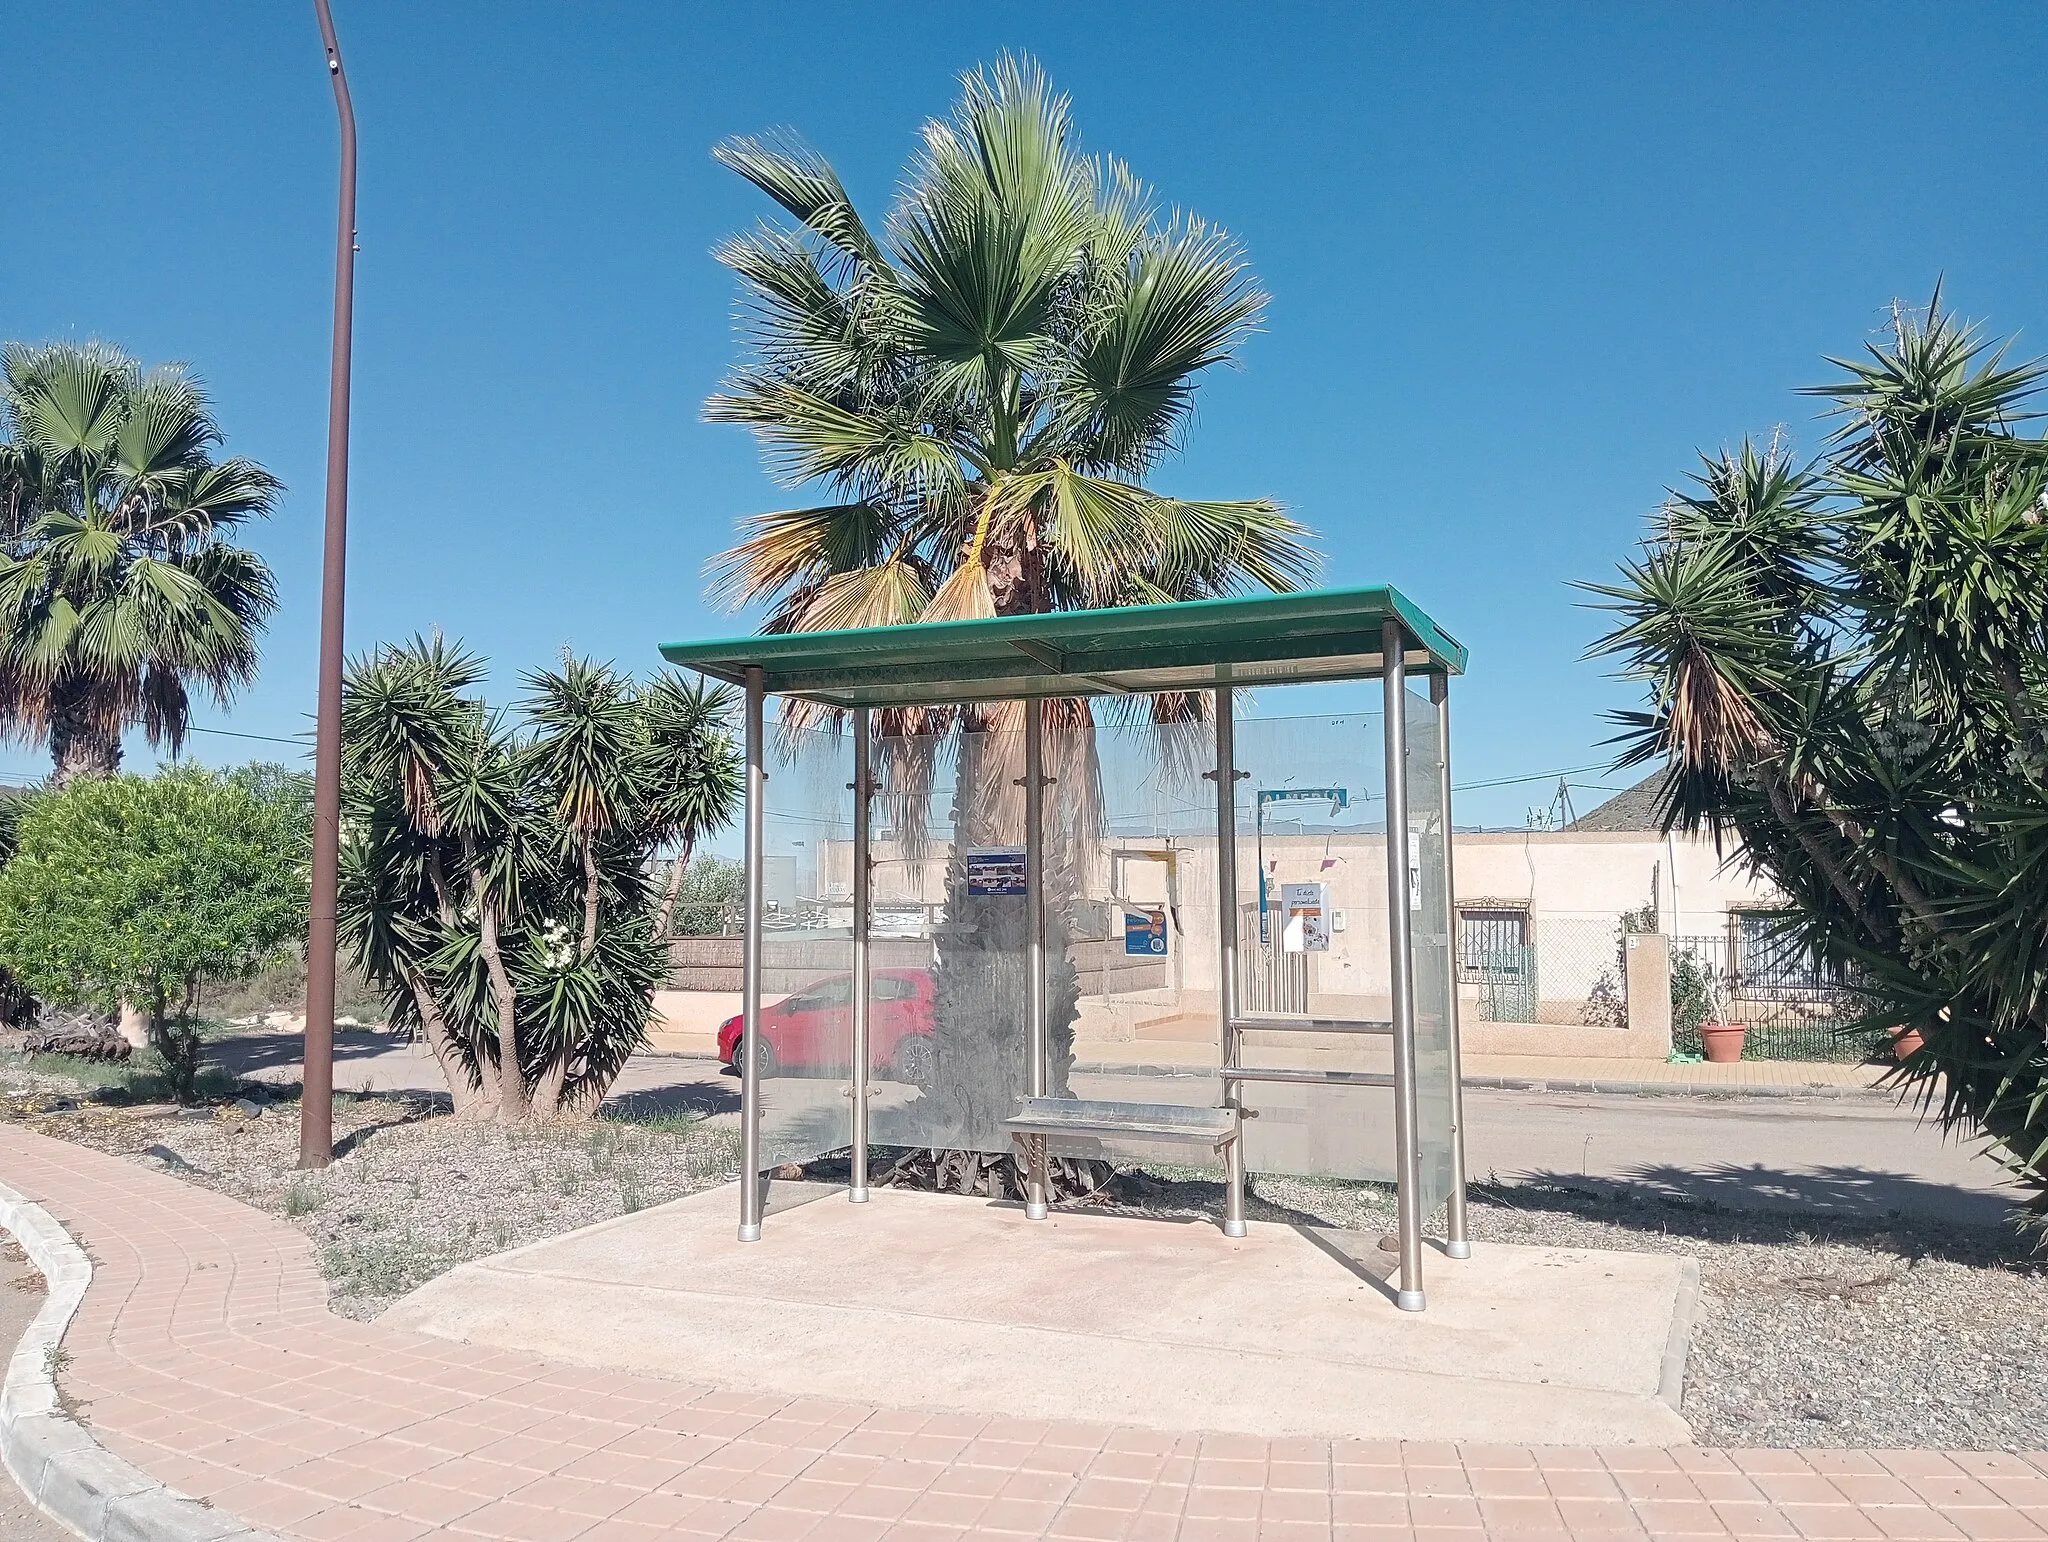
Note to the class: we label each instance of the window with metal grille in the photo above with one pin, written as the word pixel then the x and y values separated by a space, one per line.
pixel 1767 958
pixel 1493 941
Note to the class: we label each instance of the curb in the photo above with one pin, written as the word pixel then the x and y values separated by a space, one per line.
pixel 1678 1344
pixel 67 1474
pixel 1670 1089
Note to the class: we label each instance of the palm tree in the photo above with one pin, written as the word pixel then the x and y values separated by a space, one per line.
pixel 118 589
pixel 494 872
pixel 981 388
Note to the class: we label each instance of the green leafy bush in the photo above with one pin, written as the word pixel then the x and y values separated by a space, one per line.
pixel 138 890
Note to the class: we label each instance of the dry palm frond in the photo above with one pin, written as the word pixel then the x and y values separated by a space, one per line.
pixel 1711 725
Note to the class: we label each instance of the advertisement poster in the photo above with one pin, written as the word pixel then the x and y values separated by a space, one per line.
pixel 1307 909
pixel 995 870
pixel 1145 932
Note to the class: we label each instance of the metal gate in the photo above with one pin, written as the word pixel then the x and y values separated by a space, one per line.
pixel 1496 954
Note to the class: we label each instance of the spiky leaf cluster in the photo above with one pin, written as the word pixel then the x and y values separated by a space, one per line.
pixel 1847 665
pixel 541 826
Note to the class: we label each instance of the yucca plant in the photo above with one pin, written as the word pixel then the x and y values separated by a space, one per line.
pixel 494 879
pixel 979 387
pixel 1847 665
pixel 119 589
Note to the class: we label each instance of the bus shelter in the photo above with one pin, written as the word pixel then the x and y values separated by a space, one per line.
pixel 1009 911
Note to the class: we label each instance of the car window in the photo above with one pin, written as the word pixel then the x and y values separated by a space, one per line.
pixel 829 993
pixel 891 988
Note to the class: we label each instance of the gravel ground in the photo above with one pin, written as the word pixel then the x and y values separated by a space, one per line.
pixel 1811 1331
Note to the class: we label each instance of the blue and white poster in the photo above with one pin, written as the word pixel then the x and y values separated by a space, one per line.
pixel 995 870
pixel 1145 933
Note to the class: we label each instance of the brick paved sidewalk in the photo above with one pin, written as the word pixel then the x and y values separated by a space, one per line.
pixel 204 1354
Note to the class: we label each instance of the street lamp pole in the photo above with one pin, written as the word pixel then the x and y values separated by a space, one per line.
pixel 316 1104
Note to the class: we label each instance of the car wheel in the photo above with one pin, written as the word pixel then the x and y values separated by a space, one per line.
pixel 916 1061
pixel 765 1063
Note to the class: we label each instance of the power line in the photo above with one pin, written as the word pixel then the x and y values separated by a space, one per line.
pixel 1535 776
pixel 231 733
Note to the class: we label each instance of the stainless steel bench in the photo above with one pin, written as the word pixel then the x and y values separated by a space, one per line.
pixel 1038 1119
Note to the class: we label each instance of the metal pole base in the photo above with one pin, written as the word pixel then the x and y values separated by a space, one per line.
pixel 860 1197
pixel 751 1233
pixel 1457 1250
pixel 1409 1300
pixel 1234 1228
pixel 1037 1181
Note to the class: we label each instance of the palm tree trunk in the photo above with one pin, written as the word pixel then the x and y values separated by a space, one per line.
pixel 80 743
pixel 672 891
pixel 469 1101
pixel 979 1026
pixel 547 1089
pixel 513 1105
pixel 590 899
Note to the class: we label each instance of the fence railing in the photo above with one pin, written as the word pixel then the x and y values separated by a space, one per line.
pixel 1793 1009
pixel 1543 968
pixel 1534 967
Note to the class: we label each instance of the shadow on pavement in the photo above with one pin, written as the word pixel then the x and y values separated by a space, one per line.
pixel 243 1052
pixel 1836 1190
pixel 1756 1203
pixel 695 1096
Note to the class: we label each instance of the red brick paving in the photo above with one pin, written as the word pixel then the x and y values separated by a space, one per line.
pixel 205 1354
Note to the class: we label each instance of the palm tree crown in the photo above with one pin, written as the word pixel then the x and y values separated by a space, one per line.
pixel 983 385
pixel 118 590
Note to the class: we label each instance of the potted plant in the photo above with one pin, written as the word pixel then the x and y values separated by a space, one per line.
pixel 1721 1041
pixel 1906 1043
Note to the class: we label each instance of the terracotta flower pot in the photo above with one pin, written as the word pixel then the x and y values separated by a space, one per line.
pixel 1723 1041
pixel 1906 1042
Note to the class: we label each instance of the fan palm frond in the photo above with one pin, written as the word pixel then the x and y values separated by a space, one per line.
pixel 118 589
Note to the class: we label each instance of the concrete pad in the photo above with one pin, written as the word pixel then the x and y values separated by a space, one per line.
pixel 932 1301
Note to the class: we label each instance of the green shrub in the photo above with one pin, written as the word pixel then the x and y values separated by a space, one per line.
pixel 137 890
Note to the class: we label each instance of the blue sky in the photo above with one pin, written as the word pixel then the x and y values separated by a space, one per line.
pixel 1523 259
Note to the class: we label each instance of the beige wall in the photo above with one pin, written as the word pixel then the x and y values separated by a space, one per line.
pixel 1568 873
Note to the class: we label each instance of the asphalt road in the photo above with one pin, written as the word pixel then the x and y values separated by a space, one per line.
pixel 1854 1155
pixel 1858 1155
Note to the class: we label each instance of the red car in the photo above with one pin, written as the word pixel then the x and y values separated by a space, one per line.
pixel 812 1029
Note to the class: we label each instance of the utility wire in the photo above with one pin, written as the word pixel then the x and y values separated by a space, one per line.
pixel 1534 776
pixel 231 733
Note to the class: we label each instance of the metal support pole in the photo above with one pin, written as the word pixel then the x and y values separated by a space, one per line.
pixel 1226 947
pixel 1407 1166
pixel 1456 1243
pixel 751 1187
pixel 1035 1052
pixel 863 905
pixel 316 1100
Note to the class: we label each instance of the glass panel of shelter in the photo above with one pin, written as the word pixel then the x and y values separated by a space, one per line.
pixel 1429 946
pixel 1312 935
pixel 806 948
pixel 950 941
pixel 1132 927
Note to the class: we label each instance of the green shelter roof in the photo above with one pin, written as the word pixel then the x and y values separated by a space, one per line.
pixel 1262 639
